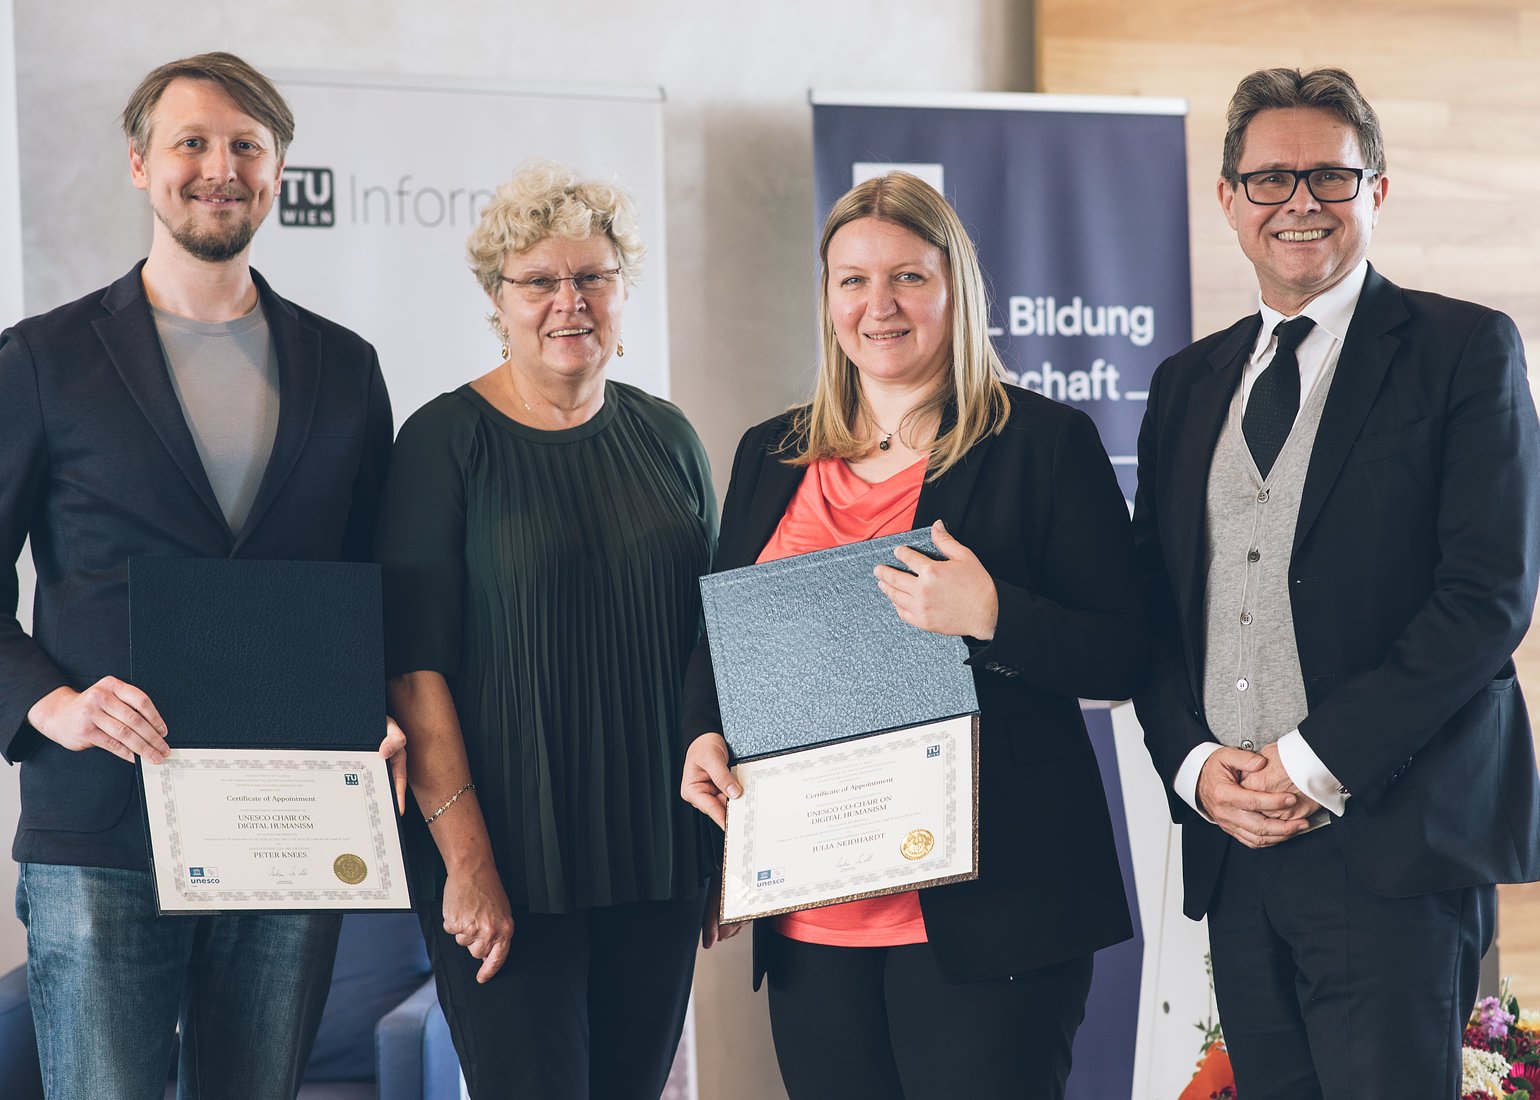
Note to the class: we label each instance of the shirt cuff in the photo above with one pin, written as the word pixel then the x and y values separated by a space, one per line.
pixel 1309 774
pixel 1186 783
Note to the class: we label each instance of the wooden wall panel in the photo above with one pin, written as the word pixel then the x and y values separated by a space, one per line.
pixel 1457 87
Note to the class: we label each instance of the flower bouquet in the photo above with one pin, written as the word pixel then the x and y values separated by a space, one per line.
pixel 1501 1054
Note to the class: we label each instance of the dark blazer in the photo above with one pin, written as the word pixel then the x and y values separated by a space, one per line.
pixel 97 465
pixel 1412 580
pixel 1040 506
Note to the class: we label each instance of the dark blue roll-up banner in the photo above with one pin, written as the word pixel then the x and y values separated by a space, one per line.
pixel 1078 206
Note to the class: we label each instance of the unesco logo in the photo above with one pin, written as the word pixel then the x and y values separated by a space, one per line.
pixel 306 197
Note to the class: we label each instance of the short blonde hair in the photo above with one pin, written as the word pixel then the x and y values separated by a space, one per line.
pixel 252 92
pixel 829 426
pixel 547 199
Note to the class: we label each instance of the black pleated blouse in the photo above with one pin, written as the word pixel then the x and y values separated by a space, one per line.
pixel 551 577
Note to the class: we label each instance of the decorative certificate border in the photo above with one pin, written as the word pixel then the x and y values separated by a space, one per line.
pixel 959 753
pixel 384 846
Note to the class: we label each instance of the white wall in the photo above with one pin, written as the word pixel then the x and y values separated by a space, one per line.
pixel 12 938
pixel 739 173
pixel 10 195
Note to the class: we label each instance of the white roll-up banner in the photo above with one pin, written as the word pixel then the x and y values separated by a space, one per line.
pixel 385 180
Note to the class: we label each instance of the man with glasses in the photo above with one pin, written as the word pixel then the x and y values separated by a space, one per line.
pixel 1339 518
pixel 184 411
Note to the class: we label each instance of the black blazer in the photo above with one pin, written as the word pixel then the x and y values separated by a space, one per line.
pixel 97 465
pixel 1040 506
pixel 1412 581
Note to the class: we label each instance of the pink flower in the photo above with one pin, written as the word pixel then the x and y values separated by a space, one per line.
pixel 1527 1071
pixel 1491 1019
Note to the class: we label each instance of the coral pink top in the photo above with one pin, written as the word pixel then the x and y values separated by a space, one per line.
pixel 834 507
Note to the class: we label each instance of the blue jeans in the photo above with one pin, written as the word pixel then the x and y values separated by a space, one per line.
pixel 109 979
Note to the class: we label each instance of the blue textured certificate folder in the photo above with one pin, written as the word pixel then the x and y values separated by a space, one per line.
pixel 807 650
pixel 259 654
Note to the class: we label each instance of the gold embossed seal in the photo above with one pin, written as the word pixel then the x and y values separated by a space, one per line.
pixel 353 870
pixel 917 844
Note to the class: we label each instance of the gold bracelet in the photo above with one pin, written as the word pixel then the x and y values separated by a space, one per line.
pixel 429 820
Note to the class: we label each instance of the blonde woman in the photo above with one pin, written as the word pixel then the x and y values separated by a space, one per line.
pixel 542 532
pixel 973 989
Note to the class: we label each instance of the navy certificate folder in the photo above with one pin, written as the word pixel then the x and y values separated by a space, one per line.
pixel 807 650
pixel 259 654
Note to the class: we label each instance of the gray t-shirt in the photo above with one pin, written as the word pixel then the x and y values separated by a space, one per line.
pixel 226 377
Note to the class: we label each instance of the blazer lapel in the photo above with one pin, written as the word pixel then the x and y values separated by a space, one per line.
pixel 1366 354
pixel 1208 403
pixel 299 375
pixel 128 334
pixel 947 497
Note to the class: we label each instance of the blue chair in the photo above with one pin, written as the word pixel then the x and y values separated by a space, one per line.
pixel 19 1074
pixel 382 1037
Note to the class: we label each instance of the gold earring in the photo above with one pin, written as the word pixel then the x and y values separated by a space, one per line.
pixel 620 349
pixel 506 350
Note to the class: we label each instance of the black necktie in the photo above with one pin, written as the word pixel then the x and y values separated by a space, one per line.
pixel 1274 400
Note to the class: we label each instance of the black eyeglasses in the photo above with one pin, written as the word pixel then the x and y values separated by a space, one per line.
pixel 1276 186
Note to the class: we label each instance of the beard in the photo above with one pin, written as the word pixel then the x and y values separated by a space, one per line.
pixel 213 245
pixel 217 239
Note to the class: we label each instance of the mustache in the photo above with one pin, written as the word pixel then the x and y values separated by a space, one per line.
pixel 217 193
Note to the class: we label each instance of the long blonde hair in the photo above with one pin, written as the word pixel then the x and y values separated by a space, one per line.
pixel 828 426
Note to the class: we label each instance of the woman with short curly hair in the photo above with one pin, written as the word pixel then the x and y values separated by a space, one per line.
pixel 541 535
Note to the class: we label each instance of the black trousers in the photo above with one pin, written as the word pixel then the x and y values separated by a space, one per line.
pixel 852 1023
pixel 1327 991
pixel 588 1005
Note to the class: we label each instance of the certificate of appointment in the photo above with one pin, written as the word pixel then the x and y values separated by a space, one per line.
pixel 272 829
pixel 875 815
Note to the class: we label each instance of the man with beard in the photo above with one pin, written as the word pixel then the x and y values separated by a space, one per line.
pixel 184 411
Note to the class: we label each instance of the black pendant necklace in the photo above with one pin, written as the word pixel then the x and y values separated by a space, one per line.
pixel 885 442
